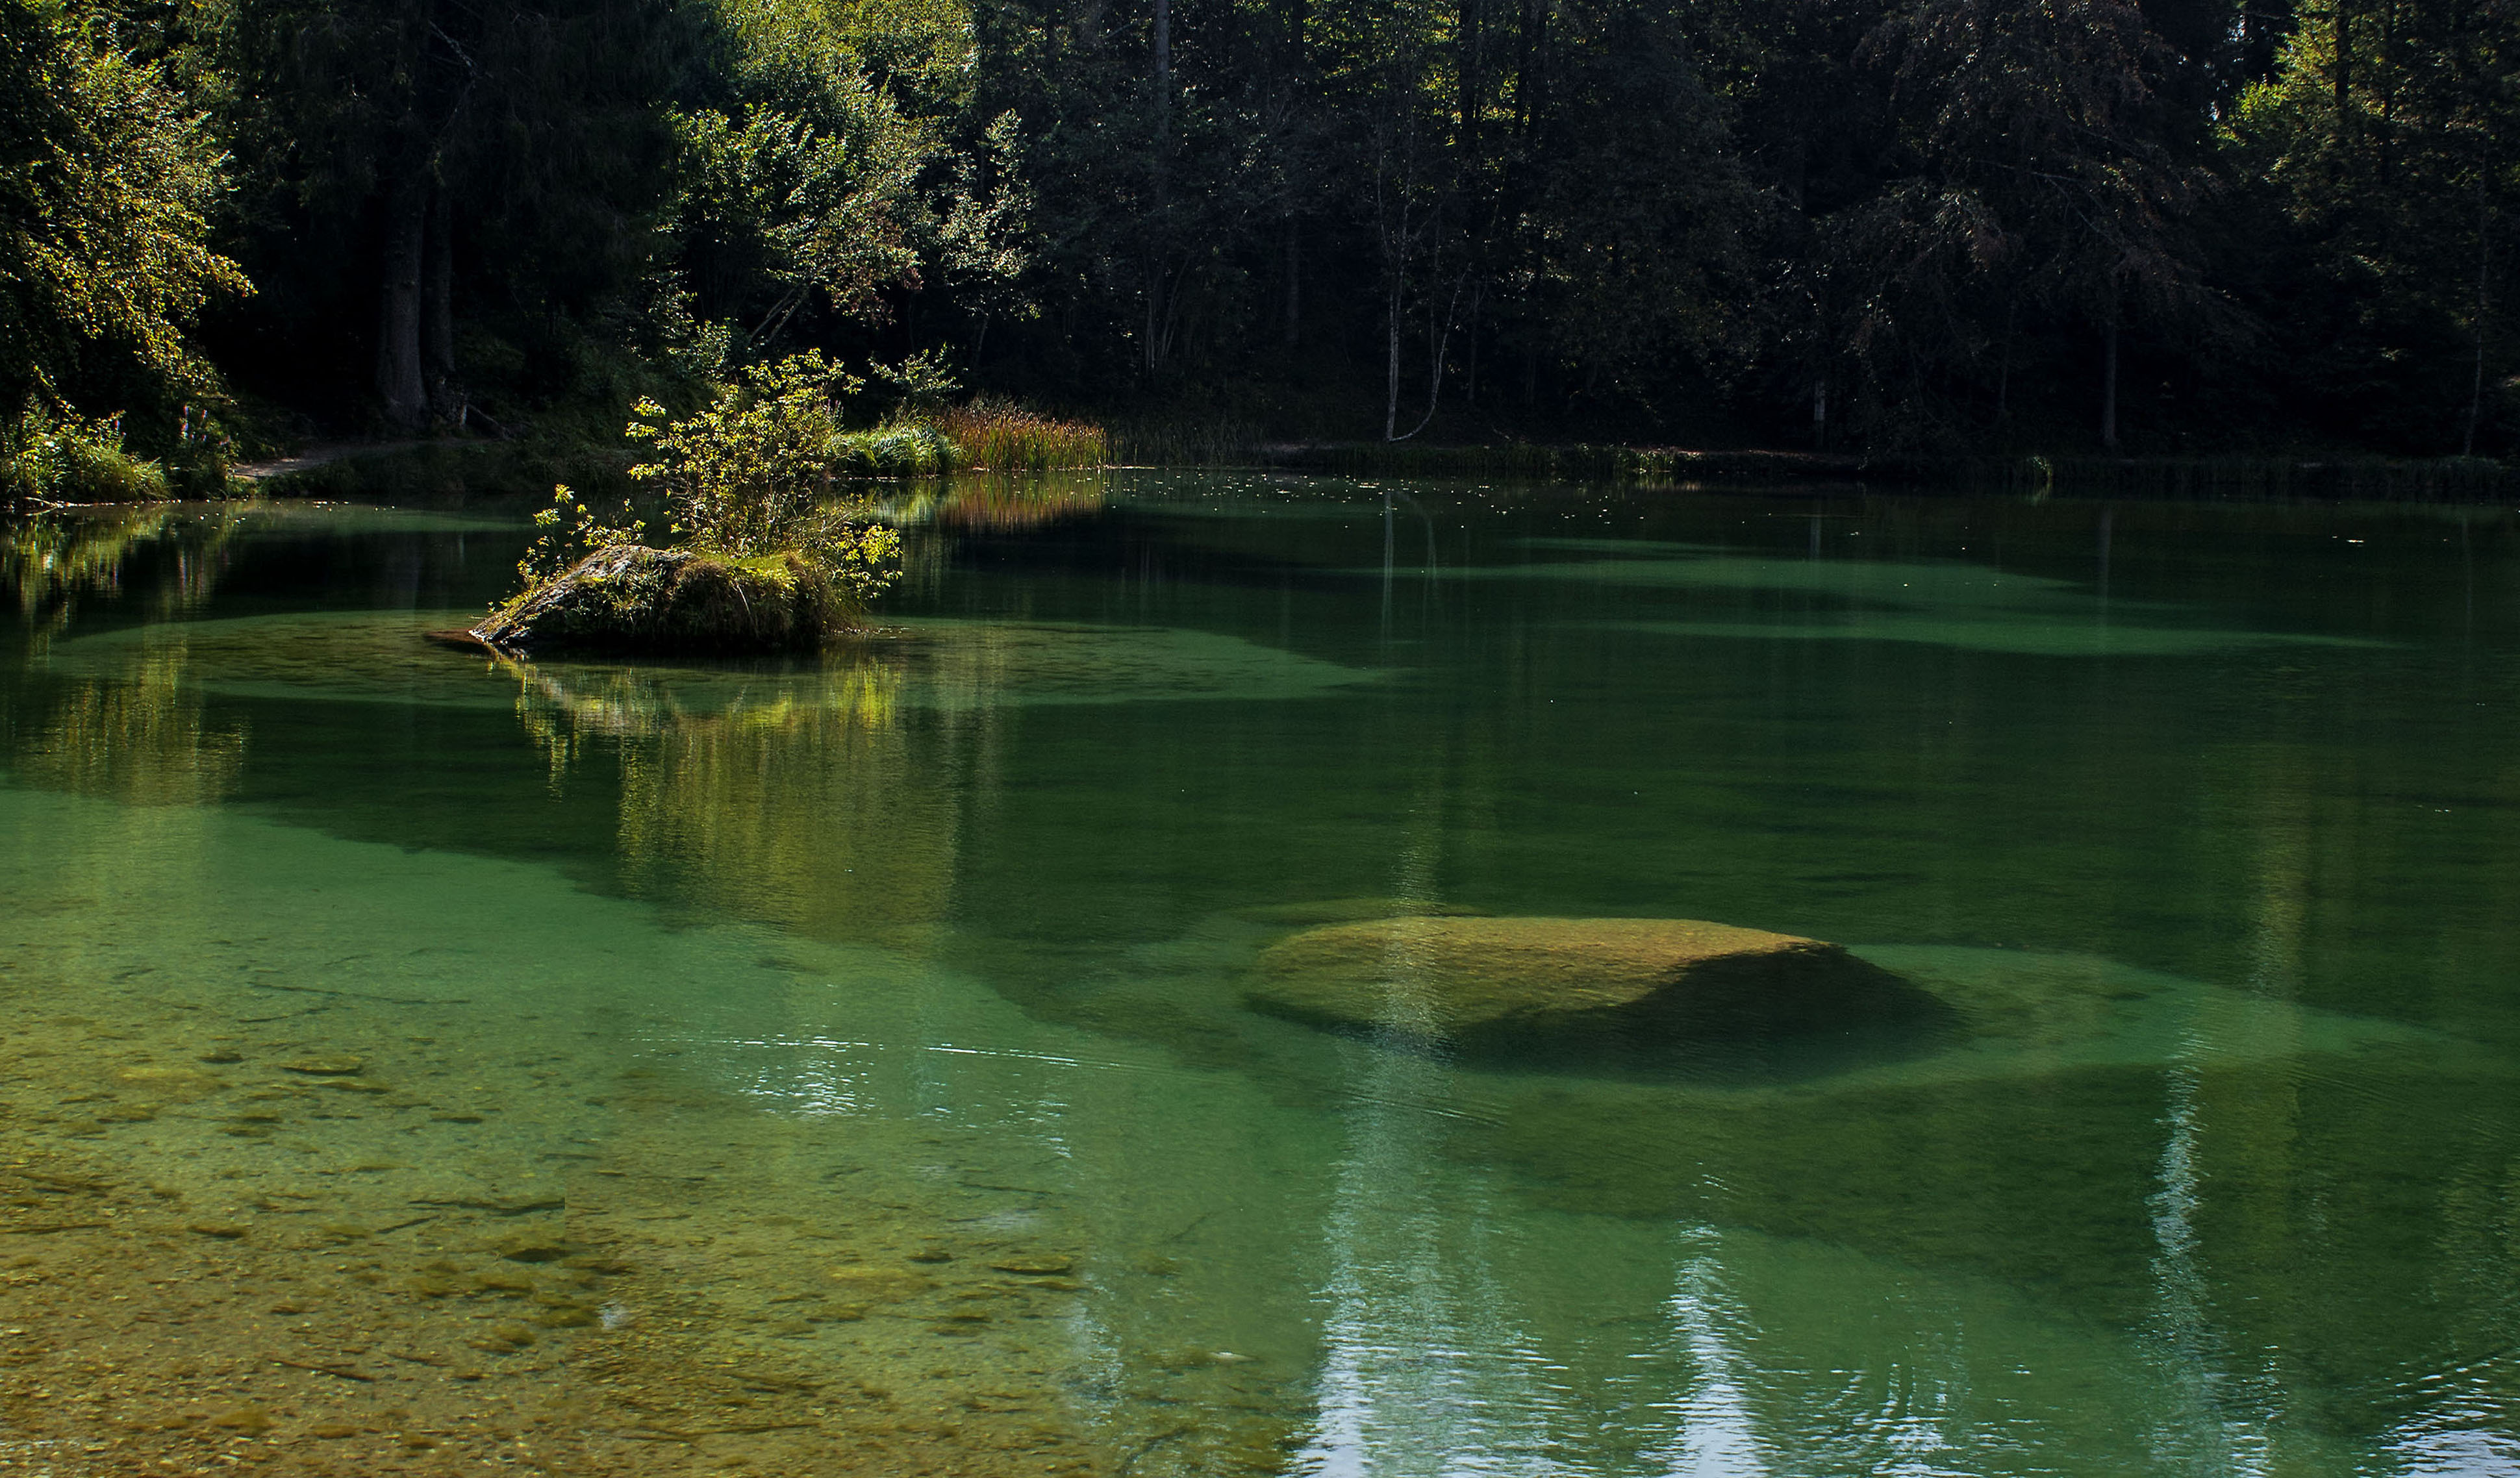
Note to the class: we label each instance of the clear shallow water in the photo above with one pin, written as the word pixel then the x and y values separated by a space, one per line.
pixel 843 1067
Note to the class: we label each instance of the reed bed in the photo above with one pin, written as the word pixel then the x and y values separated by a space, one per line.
pixel 993 435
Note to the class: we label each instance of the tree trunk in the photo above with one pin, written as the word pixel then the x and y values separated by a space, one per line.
pixel 1439 342
pixel 437 310
pixel 2476 371
pixel 1295 281
pixel 2386 77
pixel 1529 43
pixel 1391 379
pixel 1162 163
pixel 2343 77
pixel 2109 384
pixel 1820 414
pixel 400 384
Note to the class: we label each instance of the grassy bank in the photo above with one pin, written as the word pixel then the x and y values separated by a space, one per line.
pixel 63 460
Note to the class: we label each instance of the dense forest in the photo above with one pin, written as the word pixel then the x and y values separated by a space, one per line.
pixel 1916 225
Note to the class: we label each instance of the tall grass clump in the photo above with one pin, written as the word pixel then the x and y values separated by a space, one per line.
pixel 998 436
pixel 68 459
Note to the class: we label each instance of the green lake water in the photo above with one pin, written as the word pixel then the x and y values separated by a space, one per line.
pixel 418 1061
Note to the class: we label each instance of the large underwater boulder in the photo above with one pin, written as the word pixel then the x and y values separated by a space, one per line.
pixel 1509 984
pixel 628 597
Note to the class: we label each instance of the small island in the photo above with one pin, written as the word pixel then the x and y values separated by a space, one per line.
pixel 767 554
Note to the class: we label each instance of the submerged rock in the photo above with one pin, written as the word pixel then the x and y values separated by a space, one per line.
pixel 630 598
pixel 1515 983
pixel 1047 1266
pixel 327 1067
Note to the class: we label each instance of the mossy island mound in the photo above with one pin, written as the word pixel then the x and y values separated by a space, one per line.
pixel 629 598
pixel 773 556
pixel 776 555
pixel 1625 988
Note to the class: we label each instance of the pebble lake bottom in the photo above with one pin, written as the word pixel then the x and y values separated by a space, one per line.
pixel 424 1064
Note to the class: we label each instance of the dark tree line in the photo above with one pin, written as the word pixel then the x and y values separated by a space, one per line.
pixel 2176 225
pixel 2182 224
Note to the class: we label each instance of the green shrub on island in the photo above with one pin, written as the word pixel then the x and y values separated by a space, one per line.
pixel 768 555
pixel 771 551
pixel 759 471
pixel 567 532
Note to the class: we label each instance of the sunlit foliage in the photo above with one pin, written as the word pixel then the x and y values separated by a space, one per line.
pixel 107 183
pixel 758 473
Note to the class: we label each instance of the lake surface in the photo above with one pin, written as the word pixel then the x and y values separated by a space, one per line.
pixel 417 1061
